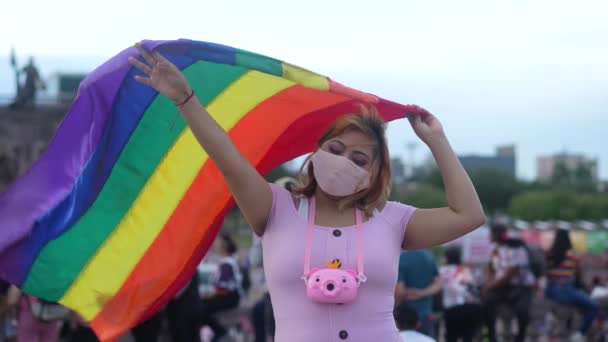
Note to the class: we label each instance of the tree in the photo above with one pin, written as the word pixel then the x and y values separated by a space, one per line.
pixel 494 187
pixel 583 178
pixel 579 178
pixel 561 174
pixel 559 205
pixel 433 177
pixel 594 206
pixel 422 196
pixel 278 173
pixel 534 205
pixel 582 173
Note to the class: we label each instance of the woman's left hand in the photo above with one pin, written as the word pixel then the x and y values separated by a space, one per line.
pixel 427 127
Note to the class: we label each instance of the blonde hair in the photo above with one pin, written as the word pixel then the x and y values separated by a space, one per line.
pixel 370 123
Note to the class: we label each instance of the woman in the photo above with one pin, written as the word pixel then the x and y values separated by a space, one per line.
pixel 461 299
pixel 562 274
pixel 510 282
pixel 349 219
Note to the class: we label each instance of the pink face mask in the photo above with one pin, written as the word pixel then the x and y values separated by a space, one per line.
pixel 337 175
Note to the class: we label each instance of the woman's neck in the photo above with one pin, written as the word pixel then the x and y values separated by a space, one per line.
pixel 325 201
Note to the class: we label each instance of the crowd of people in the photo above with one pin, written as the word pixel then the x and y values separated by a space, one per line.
pixel 446 300
pixel 459 302
pixel 24 318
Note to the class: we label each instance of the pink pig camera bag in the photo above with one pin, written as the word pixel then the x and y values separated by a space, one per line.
pixel 332 285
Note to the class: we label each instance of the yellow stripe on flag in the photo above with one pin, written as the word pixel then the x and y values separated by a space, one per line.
pixel 305 77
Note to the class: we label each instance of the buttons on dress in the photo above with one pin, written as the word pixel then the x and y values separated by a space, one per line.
pixel 337 233
pixel 343 334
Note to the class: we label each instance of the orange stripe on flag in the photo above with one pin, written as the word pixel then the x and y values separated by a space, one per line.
pixel 338 88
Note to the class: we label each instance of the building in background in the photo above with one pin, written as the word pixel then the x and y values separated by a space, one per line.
pixel 67 86
pixel 547 167
pixel 24 135
pixel 503 160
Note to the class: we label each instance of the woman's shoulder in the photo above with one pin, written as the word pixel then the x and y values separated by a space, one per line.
pixel 280 194
pixel 395 206
pixel 278 190
pixel 284 207
pixel 396 211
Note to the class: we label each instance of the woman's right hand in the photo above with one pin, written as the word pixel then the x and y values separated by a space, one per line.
pixel 162 75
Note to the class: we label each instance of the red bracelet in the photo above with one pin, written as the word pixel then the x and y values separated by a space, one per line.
pixel 187 99
pixel 179 106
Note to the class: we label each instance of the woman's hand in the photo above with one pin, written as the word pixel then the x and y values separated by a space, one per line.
pixel 162 75
pixel 427 126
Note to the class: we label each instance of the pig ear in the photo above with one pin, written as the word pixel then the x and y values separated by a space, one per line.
pixel 312 271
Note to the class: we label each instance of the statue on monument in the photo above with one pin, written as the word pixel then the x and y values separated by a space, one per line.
pixel 32 82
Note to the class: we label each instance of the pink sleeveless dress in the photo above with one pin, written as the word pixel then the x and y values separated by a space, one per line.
pixel 299 319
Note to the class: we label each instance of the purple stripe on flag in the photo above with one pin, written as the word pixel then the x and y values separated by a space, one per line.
pixel 43 186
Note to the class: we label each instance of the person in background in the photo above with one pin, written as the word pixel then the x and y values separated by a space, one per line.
pixel 30 328
pixel 149 330
pixel 187 312
pixel 598 288
pixel 227 284
pixel 79 330
pixel 182 312
pixel 510 282
pixel 8 323
pixel 418 282
pixel 599 291
pixel 262 318
pixel 407 323
pixel 562 274
pixel 461 300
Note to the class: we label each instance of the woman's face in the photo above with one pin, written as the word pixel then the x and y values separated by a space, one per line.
pixel 354 145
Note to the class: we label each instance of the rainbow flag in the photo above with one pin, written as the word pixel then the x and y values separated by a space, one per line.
pixel 115 216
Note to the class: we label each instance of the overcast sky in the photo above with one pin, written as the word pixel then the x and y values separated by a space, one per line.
pixel 533 73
